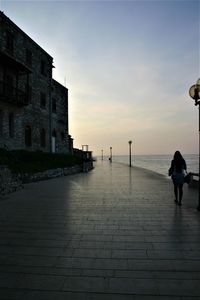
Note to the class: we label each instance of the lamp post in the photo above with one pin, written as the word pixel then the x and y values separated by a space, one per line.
pixel 102 154
pixel 110 154
pixel 194 93
pixel 130 142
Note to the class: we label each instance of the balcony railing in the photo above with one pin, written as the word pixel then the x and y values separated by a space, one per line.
pixel 10 94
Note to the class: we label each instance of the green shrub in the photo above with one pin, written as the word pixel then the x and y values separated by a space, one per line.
pixel 30 162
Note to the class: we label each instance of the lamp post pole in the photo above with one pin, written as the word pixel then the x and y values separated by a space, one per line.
pixel 110 154
pixel 130 142
pixel 102 154
pixel 194 93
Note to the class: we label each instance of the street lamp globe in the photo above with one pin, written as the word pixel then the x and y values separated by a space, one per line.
pixel 194 91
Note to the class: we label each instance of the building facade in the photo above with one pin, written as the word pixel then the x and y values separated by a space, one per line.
pixel 33 106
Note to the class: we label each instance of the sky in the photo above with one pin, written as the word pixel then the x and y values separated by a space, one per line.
pixel 128 66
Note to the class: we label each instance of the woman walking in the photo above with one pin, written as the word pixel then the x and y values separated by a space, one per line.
pixel 177 172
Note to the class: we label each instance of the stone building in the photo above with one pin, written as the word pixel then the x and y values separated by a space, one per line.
pixel 33 106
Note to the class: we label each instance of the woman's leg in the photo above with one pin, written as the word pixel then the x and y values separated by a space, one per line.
pixel 180 187
pixel 176 193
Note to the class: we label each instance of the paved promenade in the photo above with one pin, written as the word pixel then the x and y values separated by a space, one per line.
pixel 114 233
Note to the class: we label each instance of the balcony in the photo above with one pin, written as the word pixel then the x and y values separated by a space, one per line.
pixel 7 60
pixel 12 95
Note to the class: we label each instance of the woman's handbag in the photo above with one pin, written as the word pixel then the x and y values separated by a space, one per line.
pixel 170 171
pixel 187 178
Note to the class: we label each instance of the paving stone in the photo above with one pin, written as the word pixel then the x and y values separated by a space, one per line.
pixel 12 294
pixel 133 286
pixel 129 254
pixel 9 280
pixel 178 287
pixel 104 296
pixel 85 284
pixel 98 273
pixel 51 295
pixel 41 282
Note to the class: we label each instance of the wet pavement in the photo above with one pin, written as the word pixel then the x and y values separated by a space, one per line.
pixel 114 233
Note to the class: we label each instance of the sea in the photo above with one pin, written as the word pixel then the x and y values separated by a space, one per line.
pixel 157 163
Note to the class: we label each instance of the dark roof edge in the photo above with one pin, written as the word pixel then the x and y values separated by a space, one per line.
pixel 19 29
pixel 58 83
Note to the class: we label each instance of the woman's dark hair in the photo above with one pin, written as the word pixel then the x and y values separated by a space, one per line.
pixel 178 160
pixel 178 156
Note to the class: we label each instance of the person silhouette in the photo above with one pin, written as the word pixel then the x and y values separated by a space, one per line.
pixel 177 172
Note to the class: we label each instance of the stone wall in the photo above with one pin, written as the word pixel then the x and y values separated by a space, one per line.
pixel 49 174
pixel 10 182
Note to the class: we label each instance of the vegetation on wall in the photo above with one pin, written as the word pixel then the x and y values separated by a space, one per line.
pixel 21 161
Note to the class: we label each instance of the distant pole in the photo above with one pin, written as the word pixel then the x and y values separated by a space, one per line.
pixel 110 154
pixel 102 154
pixel 194 93
pixel 130 142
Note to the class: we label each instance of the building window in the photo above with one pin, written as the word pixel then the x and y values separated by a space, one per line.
pixel 9 42
pixel 43 138
pixel 42 100
pixel 28 136
pixel 62 136
pixel 29 57
pixel 42 67
pixel 11 125
pixel 1 123
pixel 53 141
pixel 54 105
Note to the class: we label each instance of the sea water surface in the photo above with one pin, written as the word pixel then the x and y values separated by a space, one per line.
pixel 157 163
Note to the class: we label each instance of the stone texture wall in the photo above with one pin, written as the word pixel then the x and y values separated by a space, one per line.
pixel 49 174
pixel 10 182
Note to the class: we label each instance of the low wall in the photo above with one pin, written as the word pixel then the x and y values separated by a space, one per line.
pixel 87 166
pixel 194 180
pixel 53 173
pixel 10 182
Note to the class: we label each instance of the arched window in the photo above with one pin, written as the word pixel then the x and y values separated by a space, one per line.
pixel 28 136
pixel 11 125
pixel 62 135
pixel 1 122
pixel 43 138
pixel 53 141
